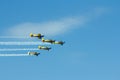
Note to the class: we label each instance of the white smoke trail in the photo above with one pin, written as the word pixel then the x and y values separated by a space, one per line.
pixel 23 43
pixel 14 37
pixel 14 55
pixel 22 49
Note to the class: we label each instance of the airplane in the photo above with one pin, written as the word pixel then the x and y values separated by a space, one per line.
pixel 36 35
pixel 33 53
pixel 48 40
pixel 44 48
pixel 59 42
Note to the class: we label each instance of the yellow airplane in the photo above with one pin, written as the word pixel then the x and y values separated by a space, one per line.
pixel 33 53
pixel 48 40
pixel 44 48
pixel 59 42
pixel 36 35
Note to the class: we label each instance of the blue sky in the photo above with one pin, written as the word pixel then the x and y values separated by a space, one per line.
pixel 89 27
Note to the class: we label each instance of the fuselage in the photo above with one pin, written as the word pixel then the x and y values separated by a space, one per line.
pixel 44 48
pixel 48 41
pixel 36 35
pixel 59 42
pixel 33 53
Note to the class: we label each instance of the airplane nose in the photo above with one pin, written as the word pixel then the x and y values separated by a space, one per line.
pixel 31 35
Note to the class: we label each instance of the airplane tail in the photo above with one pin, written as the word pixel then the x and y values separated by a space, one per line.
pixel 38 54
pixel 41 37
pixel 49 48
pixel 63 43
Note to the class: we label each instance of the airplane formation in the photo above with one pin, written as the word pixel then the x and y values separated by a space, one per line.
pixel 41 37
